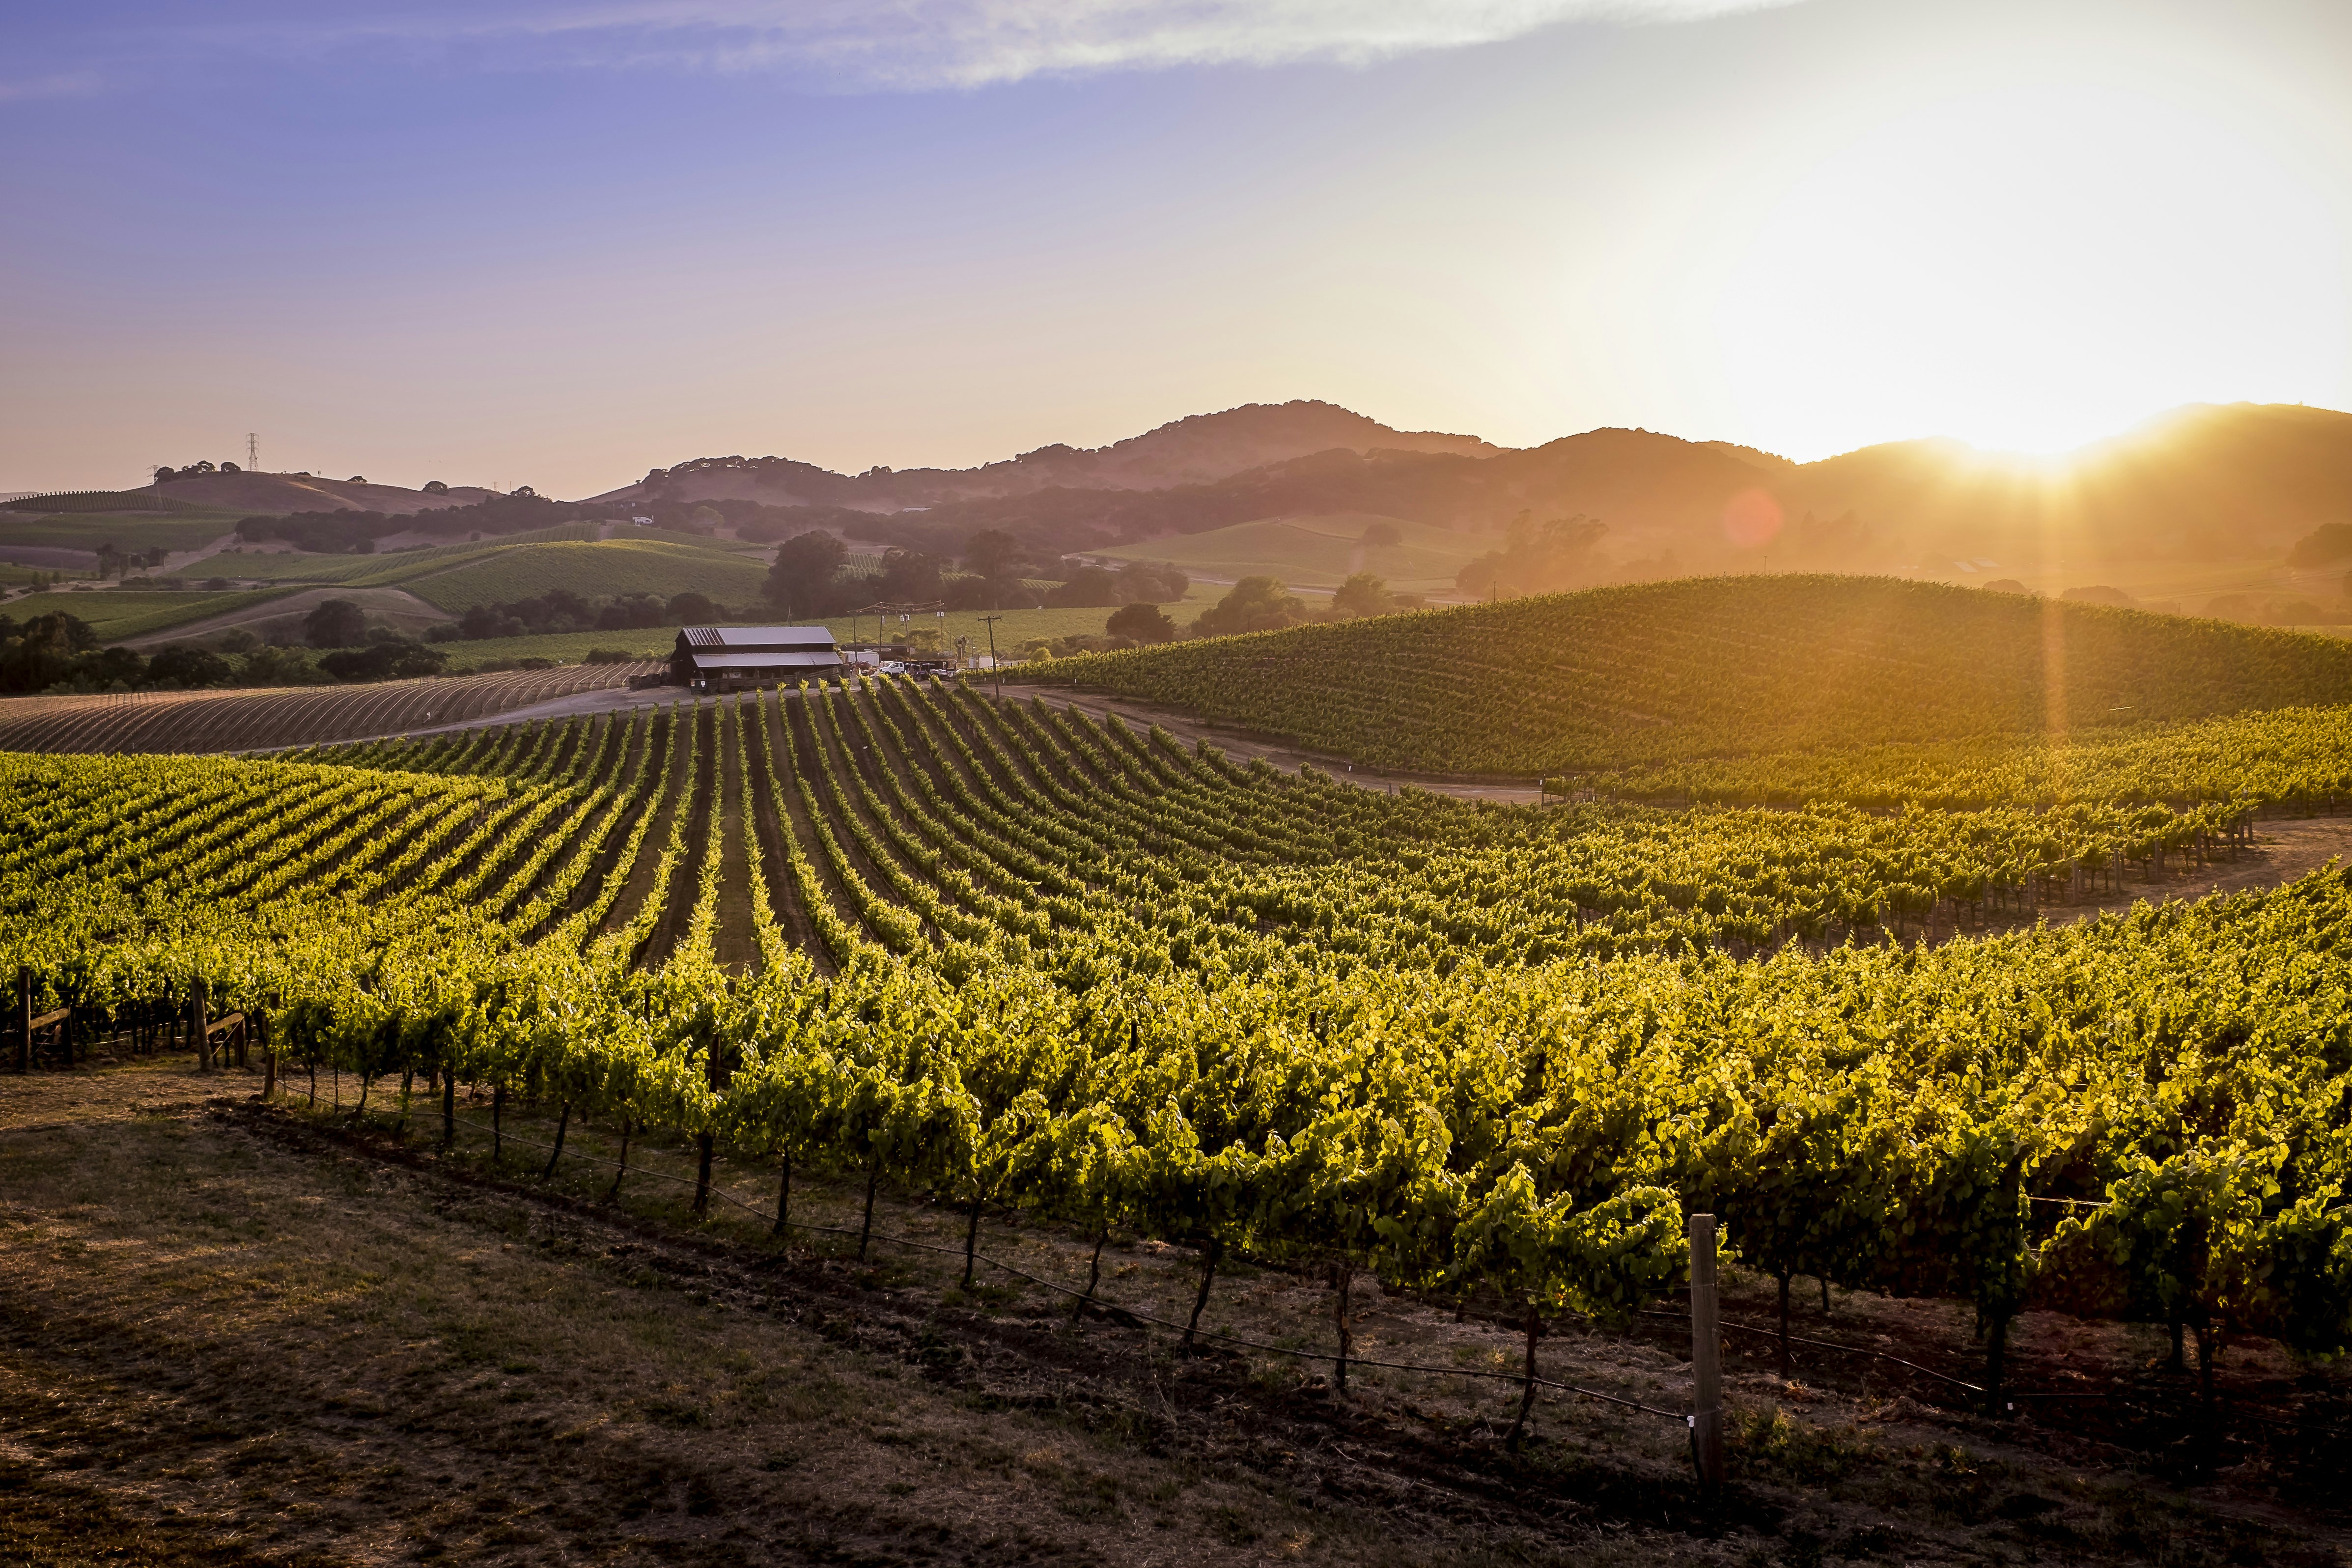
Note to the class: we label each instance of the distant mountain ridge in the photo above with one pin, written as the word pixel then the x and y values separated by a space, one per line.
pixel 2201 482
pixel 1198 449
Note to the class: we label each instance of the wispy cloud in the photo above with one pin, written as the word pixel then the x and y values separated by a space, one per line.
pixel 64 84
pixel 923 44
pixel 967 43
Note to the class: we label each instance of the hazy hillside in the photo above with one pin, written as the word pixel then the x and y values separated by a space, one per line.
pixel 1714 666
pixel 2236 483
pixel 2199 482
pixel 1195 450
pixel 2204 483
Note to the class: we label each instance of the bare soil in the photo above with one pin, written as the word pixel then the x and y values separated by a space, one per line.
pixel 233 1333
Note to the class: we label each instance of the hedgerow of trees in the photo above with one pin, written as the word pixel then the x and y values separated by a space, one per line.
pixel 58 652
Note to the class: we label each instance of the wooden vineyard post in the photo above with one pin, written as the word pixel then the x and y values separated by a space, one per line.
pixel 199 1024
pixel 1706 1357
pixel 23 1020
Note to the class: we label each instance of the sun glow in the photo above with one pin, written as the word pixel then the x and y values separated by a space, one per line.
pixel 2032 268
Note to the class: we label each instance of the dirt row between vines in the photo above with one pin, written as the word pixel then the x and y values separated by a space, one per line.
pixel 240 1333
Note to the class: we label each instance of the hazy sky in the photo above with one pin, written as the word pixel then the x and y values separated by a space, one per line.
pixel 555 243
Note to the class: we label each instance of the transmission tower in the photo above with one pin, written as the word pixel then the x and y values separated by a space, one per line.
pixel 252 452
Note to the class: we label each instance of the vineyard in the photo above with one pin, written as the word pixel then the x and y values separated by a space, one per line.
pixel 2290 758
pixel 1681 672
pixel 1025 959
pixel 236 721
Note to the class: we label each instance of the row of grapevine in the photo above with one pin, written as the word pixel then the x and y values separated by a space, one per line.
pixel 1063 965
pixel 1663 674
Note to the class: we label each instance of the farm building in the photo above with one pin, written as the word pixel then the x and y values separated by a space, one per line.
pixel 729 659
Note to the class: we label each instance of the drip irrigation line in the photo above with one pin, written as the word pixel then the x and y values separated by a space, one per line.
pixel 1111 1306
pixel 1852 1350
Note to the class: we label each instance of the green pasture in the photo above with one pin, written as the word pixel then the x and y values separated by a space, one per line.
pixel 593 571
pixel 115 613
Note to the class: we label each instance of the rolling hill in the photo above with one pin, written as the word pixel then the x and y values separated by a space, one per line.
pixel 2201 484
pixel 2210 496
pixel 1701 668
pixel 1194 450
pixel 258 494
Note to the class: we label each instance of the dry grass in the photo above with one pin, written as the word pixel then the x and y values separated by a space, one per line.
pixel 247 1331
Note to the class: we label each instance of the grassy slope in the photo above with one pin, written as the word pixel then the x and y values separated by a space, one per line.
pixel 595 571
pixel 114 614
pixel 87 531
pixel 372 570
pixel 1315 551
pixel 1711 667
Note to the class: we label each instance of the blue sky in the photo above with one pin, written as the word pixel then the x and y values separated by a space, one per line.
pixel 557 244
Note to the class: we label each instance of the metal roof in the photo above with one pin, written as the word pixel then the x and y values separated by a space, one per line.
pixel 799 638
pixel 757 660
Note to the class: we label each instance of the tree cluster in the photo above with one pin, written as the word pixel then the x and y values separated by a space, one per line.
pixel 59 652
pixel 809 579
pixel 1536 558
pixel 1256 604
pixel 1137 581
pixel 561 610
pixel 113 561
pixel 2329 544
pixel 163 472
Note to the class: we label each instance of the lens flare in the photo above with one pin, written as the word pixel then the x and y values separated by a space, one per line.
pixel 1752 519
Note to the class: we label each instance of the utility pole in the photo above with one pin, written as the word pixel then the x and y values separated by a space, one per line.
pixel 995 669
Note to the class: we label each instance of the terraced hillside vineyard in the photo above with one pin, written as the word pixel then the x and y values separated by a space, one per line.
pixel 1612 677
pixel 1014 956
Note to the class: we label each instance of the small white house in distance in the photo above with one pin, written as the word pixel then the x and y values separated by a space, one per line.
pixel 730 658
